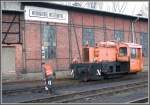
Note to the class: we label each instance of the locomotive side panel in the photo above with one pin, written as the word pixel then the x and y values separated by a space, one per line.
pixel 115 67
pixel 107 54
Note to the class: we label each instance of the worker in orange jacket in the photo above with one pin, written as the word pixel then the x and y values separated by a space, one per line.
pixel 48 73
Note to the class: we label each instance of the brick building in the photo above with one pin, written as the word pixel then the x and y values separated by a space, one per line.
pixel 54 33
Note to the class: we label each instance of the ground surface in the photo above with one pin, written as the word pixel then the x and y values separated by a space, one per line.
pixel 68 86
pixel 123 97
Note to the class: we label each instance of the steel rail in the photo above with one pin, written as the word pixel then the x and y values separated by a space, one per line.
pixel 41 88
pixel 89 93
pixel 117 90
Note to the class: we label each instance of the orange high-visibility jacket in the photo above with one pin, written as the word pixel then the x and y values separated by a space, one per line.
pixel 48 69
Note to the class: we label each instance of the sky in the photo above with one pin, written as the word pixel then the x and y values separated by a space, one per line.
pixel 131 8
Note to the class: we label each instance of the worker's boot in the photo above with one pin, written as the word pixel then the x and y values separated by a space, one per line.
pixel 46 88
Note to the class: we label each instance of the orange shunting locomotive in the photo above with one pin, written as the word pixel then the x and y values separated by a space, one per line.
pixel 108 59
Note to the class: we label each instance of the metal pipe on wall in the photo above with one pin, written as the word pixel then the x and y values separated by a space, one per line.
pixel 133 29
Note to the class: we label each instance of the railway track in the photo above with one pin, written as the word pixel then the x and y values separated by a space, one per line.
pixel 73 83
pixel 141 100
pixel 71 97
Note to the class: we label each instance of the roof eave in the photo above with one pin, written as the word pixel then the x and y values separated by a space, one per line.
pixel 13 11
pixel 63 7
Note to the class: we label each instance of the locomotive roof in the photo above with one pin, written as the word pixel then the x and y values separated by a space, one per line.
pixel 114 43
pixel 108 44
pixel 134 45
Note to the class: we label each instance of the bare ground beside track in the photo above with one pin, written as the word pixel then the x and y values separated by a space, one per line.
pixel 38 86
pixel 72 86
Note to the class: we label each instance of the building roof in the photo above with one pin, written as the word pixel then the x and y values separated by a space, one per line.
pixel 84 10
pixel 13 11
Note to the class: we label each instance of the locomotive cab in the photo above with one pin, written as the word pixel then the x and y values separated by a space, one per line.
pixel 132 53
pixel 136 58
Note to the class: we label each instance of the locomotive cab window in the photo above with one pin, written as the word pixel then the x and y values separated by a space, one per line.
pixel 122 51
pixel 133 53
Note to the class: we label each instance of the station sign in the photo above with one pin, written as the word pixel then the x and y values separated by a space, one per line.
pixel 45 14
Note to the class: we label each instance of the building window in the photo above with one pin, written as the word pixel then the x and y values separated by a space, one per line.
pixel 88 37
pixel 144 43
pixel 122 51
pixel 119 35
pixel 49 42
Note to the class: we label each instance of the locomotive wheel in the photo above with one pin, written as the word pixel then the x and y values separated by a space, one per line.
pixel 85 79
pixel 84 76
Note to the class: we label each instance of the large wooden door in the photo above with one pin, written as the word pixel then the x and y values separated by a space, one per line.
pixel 8 61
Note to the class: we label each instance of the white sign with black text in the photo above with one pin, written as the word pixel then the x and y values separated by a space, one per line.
pixel 45 14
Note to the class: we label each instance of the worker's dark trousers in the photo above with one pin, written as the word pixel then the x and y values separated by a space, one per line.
pixel 49 84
